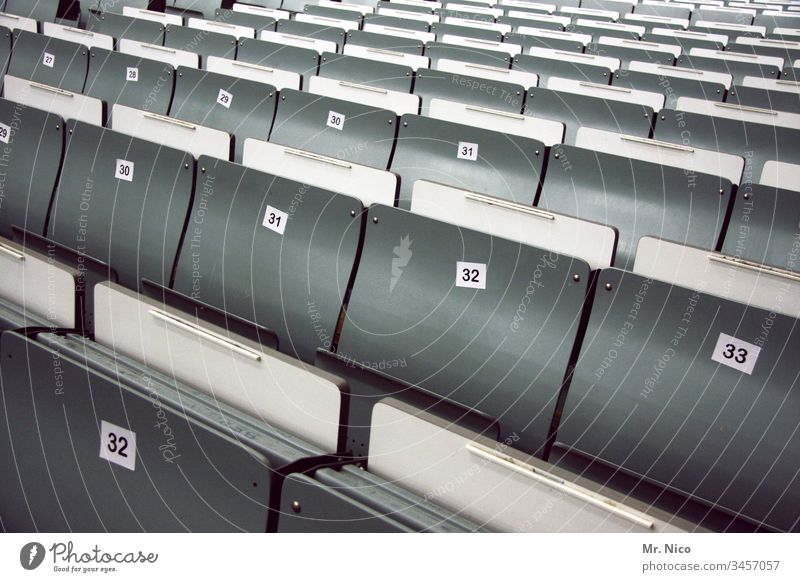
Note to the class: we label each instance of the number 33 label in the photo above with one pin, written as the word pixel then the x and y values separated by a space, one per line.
pixel 117 445
pixel 736 353
pixel 471 275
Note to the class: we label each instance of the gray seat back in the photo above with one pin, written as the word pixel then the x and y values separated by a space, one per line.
pixel 202 42
pixel 119 26
pixel 503 96
pixel 299 60
pixel 50 61
pixel 366 72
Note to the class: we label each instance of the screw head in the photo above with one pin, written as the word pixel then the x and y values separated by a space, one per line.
pixel 352 213
pixel 746 196
pixel 203 170
pixel 556 156
pixel 296 506
pixel 609 286
pixel 375 219
pixel 576 277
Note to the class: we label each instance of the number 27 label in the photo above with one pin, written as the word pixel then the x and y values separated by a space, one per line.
pixel 735 353
pixel 117 445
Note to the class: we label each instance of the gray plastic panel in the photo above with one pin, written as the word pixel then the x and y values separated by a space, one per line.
pixel 763 226
pixel 728 32
pixel 755 142
pixel 576 110
pixel 311 30
pixel 473 346
pixel 250 107
pixel 515 22
pixel 187 475
pixel 638 198
pixel 254 21
pixel 505 166
pixel 547 68
pixel 771 21
pixel 755 97
pixel 738 69
pixel 120 26
pixel 328 12
pixel 647 397
pixel 613 5
pixel 135 225
pixel 5 52
pixel 671 87
pixel 385 42
pixel 294 282
pixel 441 28
pixel 41 10
pixel 397 22
pixel 202 42
pixel 366 136
pixel 715 14
pixel 437 50
pixel 432 84
pixel 663 9
pixel 278 56
pixel 686 44
pixel 526 41
pixel 108 80
pixel 596 33
pixel 69 61
pixel 464 14
pixel 34 148
pixel 366 72
pixel 118 5
pixel 626 55
pixel 789 55
pixel 193 7
pixel 407 7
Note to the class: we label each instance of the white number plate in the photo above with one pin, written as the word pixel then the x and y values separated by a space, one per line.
pixel 117 445
pixel 124 170
pixel 735 353
pixel 224 98
pixel 467 151
pixel 275 219
pixel 471 275
pixel 336 120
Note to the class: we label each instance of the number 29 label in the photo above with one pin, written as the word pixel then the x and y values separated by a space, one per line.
pixel 117 445
pixel 735 353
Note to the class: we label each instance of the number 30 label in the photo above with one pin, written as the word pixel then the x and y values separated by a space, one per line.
pixel 471 275
pixel 117 445
pixel 336 120
pixel 736 353
pixel 124 170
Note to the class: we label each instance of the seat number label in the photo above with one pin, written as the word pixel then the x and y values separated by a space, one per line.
pixel 275 219
pixel 736 354
pixel 132 74
pixel 224 98
pixel 124 170
pixel 467 151
pixel 336 120
pixel 117 445
pixel 48 60
pixel 5 133
pixel 471 275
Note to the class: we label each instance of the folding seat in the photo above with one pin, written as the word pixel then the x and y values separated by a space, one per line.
pixel 473 8
pixel 507 491
pixel 549 63
pixel 409 6
pixel 775 19
pixel 222 27
pixel 275 77
pixel 191 8
pixel 236 106
pixel 255 21
pixel 12 21
pixel 78 35
pixel 294 5
pixel 389 56
pixel 444 29
pixel 526 7
pixel 780 175
pixel 366 72
pixel 723 15
pixel 650 22
pixel 599 28
pixel 541 21
pixel 483 53
pixel 129 80
pixel 621 7
pixel 629 194
pixel 504 74
pixel 487 162
pixel 758 135
pixel 401 12
pixel 200 42
pixel 469 89
pixel 239 213
pixel 763 226
pixel 686 39
pixel 159 17
pixel 627 50
pixel 470 25
pixel 49 61
pixel 588 241
pixel 365 7
pixel 173 56
pixel 369 185
pixel 122 6
pixel 588 14
pixel 305 35
pixel 664 9
pixel 335 128
pixel 119 27
pixel 729 29
pixel 322 15
pixel 776 94
pixel 268 8
pixel 739 65
pixel 40 10
pixel 279 56
pixel 673 82
pixel 690 394
pixel 576 110
pixel 384 40
pixel 527 38
pixel 649 101
pixel 441 272
pixel 789 51
pixel 122 201
pixel 750 282
pixel 394 25
pixel 782 33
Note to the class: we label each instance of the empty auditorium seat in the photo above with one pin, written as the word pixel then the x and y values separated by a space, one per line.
pixel 629 195
pixel 776 94
pixel 378 38
pixel 237 106
pixel 478 320
pixel 527 38
pixel 686 39
pixel 12 21
pixel 85 37
pixel 305 239
pixel 689 393
pixel 172 56
pixel 191 8
pixel 471 89
pixel 564 64
pixel 366 72
pixel 119 26
pixel 275 77
pixel 405 59
pixel 306 33
pixel 201 42
pixel 41 10
pixel 627 50
pixel 142 13
pixel 123 201
pixel 673 82
pixel 740 65
pixel 49 61
pixel 335 128
pixel 299 60
pixel 256 22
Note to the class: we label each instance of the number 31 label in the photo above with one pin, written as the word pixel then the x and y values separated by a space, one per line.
pixel 736 353
pixel 467 151
pixel 471 275
pixel 117 445
pixel 275 219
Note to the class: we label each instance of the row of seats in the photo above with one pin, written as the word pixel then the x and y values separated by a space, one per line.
pixel 314 360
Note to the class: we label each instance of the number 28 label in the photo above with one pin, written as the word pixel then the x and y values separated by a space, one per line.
pixel 471 275
pixel 117 445
pixel 736 354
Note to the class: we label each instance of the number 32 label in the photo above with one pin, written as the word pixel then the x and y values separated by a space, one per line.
pixel 471 275
pixel 736 353
pixel 117 445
